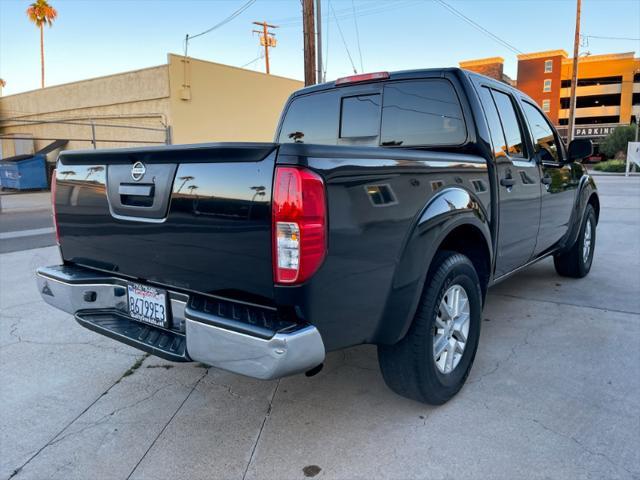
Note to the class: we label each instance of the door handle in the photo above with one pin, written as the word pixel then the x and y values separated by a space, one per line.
pixel 546 180
pixel 507 182
pixel 136 190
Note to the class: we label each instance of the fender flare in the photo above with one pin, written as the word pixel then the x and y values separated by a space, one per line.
pixel 586 189
pixel 451 208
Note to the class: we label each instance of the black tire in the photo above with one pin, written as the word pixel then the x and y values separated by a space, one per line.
pixel 409 367
pixel 573 263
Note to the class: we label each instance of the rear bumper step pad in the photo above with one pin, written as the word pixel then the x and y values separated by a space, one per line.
pixel 156 341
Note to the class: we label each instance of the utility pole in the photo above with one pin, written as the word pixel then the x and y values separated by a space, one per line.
pixel 574 75
pixel 319 39
pixel 308 28
pixel 267 39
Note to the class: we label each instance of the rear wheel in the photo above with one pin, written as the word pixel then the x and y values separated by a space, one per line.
pixel 431 363
pixel 576 262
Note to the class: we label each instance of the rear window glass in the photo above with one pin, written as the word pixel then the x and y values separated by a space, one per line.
pixel 414 113
pixel 312 119
pixel 424 112
pixel 360 116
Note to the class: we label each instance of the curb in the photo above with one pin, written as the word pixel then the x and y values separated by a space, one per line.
pixel 596 173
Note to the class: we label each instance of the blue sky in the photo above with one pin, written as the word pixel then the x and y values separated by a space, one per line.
pixel 100 37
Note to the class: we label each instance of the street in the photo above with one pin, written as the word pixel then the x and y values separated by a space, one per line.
pixel 26 222
pixel 554 392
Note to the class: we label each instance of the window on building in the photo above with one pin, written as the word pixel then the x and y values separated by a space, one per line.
pixel 548 66
pixel 547 85
pixel 510 125
pixel 546 106
pixel 425 112
pixel 545 140
pixel 360 116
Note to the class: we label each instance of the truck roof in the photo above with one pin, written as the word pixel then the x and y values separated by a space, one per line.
pixel 408 75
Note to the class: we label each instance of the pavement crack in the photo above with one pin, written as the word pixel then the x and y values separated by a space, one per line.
pixel 514 350
pixel 518 297
pixel 107 416
pixel 193 388
pixel 60 432
pixel 228 388
pixel 264 422
pixel 582 446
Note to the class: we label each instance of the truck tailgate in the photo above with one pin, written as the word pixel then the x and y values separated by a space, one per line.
pixel 196 217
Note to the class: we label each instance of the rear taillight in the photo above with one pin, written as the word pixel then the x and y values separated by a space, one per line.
pixel 54 188
pixel 299 224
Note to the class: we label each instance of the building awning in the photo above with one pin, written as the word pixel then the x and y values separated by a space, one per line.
pixel 52 146
pixel 43 151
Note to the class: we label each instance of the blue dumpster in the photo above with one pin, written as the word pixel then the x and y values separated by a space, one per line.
pixel 24 172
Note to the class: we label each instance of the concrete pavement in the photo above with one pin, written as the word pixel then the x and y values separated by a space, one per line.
pixel 554 392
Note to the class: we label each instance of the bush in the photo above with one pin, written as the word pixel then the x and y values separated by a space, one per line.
pixel 611 166
pixel 617 141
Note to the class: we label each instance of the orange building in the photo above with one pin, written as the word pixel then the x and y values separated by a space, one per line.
pixel 607 95
pixel 608 86
pixel 491 67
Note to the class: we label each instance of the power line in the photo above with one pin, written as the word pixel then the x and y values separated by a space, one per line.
pixel 612 38
pixel 355 21
pixel 259 57
pixel 348 12
pixel 477 26
pixel 344 42
pixel 225 21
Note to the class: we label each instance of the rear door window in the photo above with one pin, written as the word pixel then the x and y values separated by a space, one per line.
pixel 510 125
pixel 545 140
pixel 493 120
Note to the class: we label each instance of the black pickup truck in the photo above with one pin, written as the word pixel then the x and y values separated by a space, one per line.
pixel 384 209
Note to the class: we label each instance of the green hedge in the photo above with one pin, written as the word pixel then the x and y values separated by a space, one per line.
pixel 610 166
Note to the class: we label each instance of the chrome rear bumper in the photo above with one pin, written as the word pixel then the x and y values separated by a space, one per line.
pixel 209 340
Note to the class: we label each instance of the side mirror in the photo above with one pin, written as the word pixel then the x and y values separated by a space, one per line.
pixel 579 149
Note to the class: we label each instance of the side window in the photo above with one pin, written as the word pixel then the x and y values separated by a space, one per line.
pixel 360 116
pixel 548 66
pixel 545 141
pixel 311 119
pixel 421 112
pixel 546 86
pixel 493 120
pixel 510 125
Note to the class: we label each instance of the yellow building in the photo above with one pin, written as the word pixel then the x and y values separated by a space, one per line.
pixel 180 102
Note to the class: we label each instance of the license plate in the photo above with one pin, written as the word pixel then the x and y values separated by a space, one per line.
pixel 148 304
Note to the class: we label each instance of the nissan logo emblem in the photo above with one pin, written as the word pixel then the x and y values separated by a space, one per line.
pixel 138 170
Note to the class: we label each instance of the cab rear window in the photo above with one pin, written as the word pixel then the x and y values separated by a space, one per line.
pixel 425 112
pixel 408 113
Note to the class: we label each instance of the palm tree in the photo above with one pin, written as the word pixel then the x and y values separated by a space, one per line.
pixel 185 179
pixel 92 170
pixel 66 173
pixel 41 13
